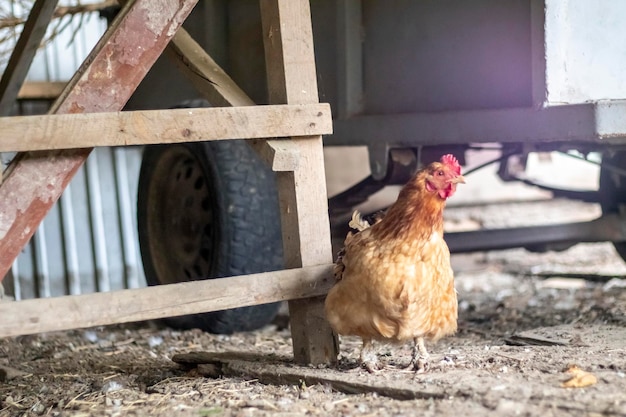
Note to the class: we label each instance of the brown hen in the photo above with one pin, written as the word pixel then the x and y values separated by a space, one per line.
pixel 394 279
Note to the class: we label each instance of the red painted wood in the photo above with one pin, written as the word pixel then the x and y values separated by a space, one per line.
pixel 35 180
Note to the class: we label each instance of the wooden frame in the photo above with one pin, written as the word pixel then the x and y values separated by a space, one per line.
pixel 124 306
pixel 36 179
pixel 70 131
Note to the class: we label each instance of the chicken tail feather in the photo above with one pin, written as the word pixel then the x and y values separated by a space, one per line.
pixel 358 222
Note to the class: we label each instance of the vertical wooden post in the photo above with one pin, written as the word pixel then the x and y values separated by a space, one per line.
pixel 290 62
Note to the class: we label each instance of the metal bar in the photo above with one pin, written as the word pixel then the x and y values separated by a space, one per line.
pixel 42 271
pixel 606 228
pixel 129 241
pixel 17 285
pixel 344 202
pixel 594 123
pixel 349 58
pixel 24 52
pixel 103 280
pixel 70 246
pixel 35 180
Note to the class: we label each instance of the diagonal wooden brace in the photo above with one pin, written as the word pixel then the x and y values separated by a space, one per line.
pixel 35 180
pixel 24 52
pixel 220 90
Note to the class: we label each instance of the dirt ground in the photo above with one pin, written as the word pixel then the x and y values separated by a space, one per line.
pixel 524 319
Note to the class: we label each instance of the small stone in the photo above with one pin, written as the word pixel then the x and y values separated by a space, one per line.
pixel 111 386
pixel 90 336
pixel 447 361
pixel 154 341
pixel 363 408
pixel 507 407
pixel 38 408
pixel 328 406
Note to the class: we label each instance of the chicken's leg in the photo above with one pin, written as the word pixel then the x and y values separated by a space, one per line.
pixel 369 357
pixel 420 356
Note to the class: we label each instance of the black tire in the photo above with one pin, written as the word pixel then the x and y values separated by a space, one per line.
pixel 209 210
pixel 613 189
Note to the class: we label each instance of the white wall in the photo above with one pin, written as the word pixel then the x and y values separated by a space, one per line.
pixel 585 50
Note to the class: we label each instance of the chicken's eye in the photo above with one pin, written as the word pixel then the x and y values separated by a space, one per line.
pixel 440 173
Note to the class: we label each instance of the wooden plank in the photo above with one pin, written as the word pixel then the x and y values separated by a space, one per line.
pixel 41 90
pixel 105 81
pixel 24 52
pixel 123 306
pixel 290 61
pixel 279 371
pixel 69 131
pixel 289 55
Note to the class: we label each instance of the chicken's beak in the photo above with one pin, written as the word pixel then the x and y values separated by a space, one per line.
pixel 460 179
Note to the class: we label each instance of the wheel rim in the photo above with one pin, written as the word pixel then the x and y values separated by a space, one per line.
pixel 181 218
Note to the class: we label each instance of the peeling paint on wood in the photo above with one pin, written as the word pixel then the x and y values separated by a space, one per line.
pixel 30 194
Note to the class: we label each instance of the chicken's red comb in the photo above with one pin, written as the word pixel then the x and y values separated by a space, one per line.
pixel 452 162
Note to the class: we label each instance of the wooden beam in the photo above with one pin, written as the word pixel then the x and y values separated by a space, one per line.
pixel 24 52
pixel 35 180
pixel 41 90
pixel 280 371
pixel 290 61
pixel 123 306
pixel 595 122
pixel 69 131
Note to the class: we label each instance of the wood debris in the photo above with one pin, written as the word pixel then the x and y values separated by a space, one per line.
pixel 530 339
pixel 579 378
pixel 280 371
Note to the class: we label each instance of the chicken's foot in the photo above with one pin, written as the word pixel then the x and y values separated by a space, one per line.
pixel 419 356
pixel 369 357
